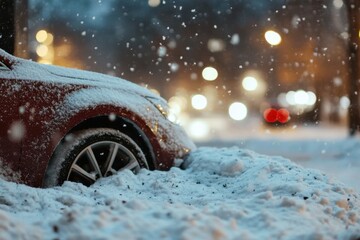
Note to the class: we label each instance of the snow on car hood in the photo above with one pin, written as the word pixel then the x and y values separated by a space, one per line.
pixel 28 70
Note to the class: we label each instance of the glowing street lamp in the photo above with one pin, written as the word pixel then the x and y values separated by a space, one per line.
pixel 42 50
pixel 199 102
pixel 45 49
pixel 272 37
pixel 41 36
pixel 250 83
pixel 209 73
pixel 238 111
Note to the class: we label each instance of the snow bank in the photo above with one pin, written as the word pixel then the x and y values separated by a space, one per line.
pixel 338 157
pixel 226 193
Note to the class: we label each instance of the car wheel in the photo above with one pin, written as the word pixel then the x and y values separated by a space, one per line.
pixel 88 155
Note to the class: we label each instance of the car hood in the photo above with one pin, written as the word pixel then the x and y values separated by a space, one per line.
pixel 28 70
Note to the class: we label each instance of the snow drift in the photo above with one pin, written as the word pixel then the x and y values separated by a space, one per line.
pixel 226 193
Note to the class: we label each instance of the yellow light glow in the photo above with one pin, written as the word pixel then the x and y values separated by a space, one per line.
pixel 41 36
pixel 42 50
pixel 49 39
pixel 44 61
pixel 238 111
pixel 272 37
pixel 154 3
pixel 155 91
pixel 199 102
pixel 199 129
pixel 177 103
pixel 175 107
pixel 209 73
pixel 250 83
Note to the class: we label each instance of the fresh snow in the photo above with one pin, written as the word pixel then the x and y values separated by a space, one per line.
pixel 223 193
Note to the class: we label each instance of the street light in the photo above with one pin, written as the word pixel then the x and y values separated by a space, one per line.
pixel 272 37
pixel 199 102
pixel 210 73
pixel 238 111
pixel 45 49
pixel 41 36
pixel 250 83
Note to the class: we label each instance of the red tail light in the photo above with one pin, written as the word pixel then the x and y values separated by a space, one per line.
pixel 283 115
pixel 272 115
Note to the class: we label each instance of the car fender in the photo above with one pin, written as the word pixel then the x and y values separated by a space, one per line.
pixel 79 106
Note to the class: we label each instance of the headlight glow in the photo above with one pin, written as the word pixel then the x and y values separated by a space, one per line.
pixel 163 108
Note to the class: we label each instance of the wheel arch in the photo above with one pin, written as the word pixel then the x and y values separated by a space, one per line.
pixel 112 121
pixel 125 126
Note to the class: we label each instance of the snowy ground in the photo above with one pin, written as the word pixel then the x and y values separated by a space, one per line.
pixel 224 193
pixel 326 148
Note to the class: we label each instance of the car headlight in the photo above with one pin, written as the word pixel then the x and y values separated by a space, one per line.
pixel 160 105
pixel 163 108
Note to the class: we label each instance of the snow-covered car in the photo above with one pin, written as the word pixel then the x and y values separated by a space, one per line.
pixel 59 124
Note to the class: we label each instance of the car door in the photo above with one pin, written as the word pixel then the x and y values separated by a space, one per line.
pixel 11 126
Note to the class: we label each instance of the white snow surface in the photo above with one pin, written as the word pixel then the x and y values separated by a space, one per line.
pixel 223 193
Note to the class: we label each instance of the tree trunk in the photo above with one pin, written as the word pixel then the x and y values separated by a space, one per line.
pixel 21 29
pixel 353 46
pixel 7 25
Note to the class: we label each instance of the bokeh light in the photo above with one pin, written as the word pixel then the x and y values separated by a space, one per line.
pixel 344 102
pixel 199 102
pixel 42 50
pixel 301 97
pixel 290 97
pixel 272 37
pixel 270 115
pixel 250 83
pixel 209 73
pixel 311 98
pixel 41 36
pixel 338 4
pixel 282 115
pixel 154 3
pixel 238 111
pixel 199 129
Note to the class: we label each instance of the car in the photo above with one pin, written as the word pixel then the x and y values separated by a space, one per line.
pixel 59 124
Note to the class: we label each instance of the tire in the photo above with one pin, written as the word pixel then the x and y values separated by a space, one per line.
pixel 88 155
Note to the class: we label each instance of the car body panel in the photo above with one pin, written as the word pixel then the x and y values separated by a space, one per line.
pixel 9 121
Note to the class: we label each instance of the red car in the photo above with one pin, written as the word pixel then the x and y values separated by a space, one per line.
pixel 59 124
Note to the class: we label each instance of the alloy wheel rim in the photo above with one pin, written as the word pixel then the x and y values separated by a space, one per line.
pixel 101 159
